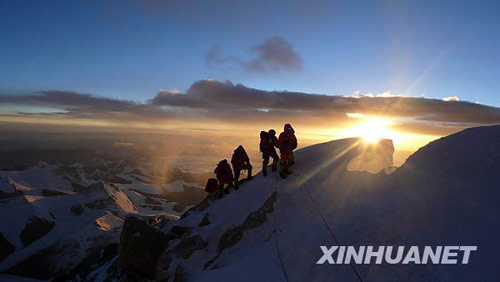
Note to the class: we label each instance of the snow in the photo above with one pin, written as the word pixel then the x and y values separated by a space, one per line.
pixel 35 179
pixel 109 222
pixel 445 194
pixel 12 278
pixel 73 236
pixel 176 186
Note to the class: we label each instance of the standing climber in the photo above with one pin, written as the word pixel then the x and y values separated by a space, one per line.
pixel 268 142
pixel 224 175
pixel 287 142
pixel 240 161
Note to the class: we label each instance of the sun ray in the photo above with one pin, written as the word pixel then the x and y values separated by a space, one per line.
pixel 371 130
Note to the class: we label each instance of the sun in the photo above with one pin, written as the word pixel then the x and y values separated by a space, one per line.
pixel 371 130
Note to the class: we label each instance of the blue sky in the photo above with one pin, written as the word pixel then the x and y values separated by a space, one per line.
pixel 132 49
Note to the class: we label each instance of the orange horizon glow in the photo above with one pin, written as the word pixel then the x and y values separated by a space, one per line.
pixel 370 129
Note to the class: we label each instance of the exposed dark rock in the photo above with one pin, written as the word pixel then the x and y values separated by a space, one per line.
pixel 109 177
pixel 70 173
pixel 141 179
pixel 99 204
pixel 204 221
pixel 151 201
pixel 138 172
pixel 114 272
pixel 163 265
pixel 205 204
pixel 35 229
pixel 6 248
pixel 140 246
pixel 178 207
pixel 77 209
pixel 180 274
pixel 5 195
pixel 39 265
pixel 52 193
pixel 77 187
pixel 254 219
pixel 180 231
pixel 44 264
pixel 96 257
pixel 157 221
pixel 188 246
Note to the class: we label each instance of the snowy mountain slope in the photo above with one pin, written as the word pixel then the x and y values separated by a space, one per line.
pixel 56 220
pixel 271 229
pixel 290 215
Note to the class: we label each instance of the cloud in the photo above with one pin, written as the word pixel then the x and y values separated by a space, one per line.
pixel 385 94
pixel 355 115
pixel 78 105
pixel 451 98
pixel 271 56
pixel 214 102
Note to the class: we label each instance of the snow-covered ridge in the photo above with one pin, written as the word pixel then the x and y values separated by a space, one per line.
pixel 271 229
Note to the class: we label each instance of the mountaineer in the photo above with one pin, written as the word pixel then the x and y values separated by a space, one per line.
pixel 224 175
pixel 268 142
pixel 240 161
pixel 212 185
pixel 287 142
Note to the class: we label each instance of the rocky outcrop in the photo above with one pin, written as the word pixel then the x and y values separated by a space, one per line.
pixel 188 246
pixel 6 248
pixel 52 193
pixel 77 209
pixel 205 204
pixel 35 229
pixel 5 195
pixel 8 190
pixel 140 246
pixel 45 264
pixel 205 221
pixel 256 218
pixel 180 231
pixel 178 207
pixel 184 249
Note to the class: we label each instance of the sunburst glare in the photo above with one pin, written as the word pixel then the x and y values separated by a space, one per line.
pixel 371 130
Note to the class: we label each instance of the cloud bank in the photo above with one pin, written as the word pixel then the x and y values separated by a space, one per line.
pixel 212 101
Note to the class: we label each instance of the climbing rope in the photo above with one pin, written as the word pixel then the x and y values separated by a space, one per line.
pixel 276 228
pixel 329 229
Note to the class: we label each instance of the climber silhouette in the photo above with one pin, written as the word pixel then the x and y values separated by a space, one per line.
pixel 268 142
pixel 224 176
pixel 240 161
pixel 287 142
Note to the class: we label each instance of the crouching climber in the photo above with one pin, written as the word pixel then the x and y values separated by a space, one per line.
pixel 224 176
pixel 240 161
pixel 268 142
pixel 287 142
pixel 212 185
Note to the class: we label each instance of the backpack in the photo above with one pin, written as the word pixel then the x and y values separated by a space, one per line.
pixel 221 167
pixel 212 185
pixel 239 157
